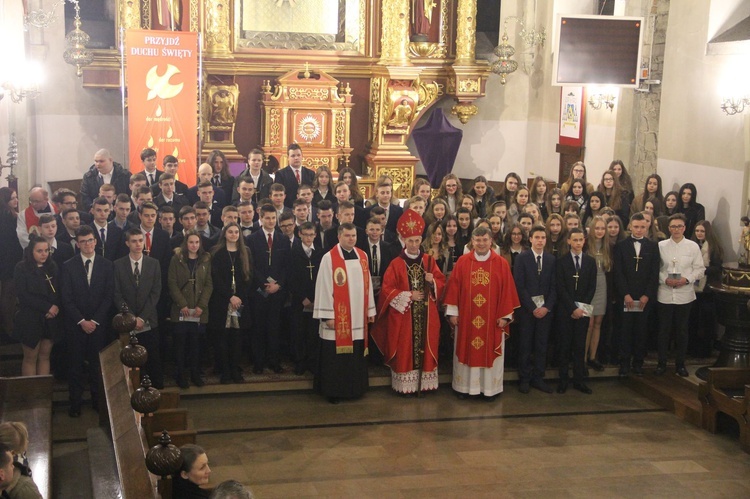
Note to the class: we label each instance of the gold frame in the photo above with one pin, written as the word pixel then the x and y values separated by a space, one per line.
pixel 279 40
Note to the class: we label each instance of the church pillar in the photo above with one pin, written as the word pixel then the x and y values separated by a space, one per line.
pixel 394 100
pixel 646 105
pixel 466 29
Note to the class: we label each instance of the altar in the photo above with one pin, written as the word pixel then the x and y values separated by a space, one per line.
pixel 375 67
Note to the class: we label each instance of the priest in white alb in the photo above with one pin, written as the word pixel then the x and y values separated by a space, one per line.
pixel 345 304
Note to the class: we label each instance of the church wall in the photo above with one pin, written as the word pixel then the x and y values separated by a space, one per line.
pixel 698 143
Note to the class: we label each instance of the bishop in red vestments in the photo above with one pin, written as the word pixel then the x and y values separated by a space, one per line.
pixel 480 299
pixel 408 327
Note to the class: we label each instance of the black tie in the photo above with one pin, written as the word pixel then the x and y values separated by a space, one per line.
pixel 217 180
pixel 539 265
pixel 137 274
pixel 636 240
pixel 578 265
pixel 150 179
pixel 88 270
pixel 374 259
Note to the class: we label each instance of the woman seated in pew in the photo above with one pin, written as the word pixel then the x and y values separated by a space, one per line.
pixel 189 482
pixel 15 436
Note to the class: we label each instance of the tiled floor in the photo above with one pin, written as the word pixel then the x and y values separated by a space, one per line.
pixel 611 444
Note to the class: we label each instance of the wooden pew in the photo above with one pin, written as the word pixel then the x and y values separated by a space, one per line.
pixel 128 438
pixel 28 399
pixel 727 390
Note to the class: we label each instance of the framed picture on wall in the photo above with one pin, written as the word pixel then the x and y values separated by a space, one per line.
pixel 572 116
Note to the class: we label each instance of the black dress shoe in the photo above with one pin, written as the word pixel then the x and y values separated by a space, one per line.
pixel 596 365
pixel 490 398
pixel 540 385
pixel 660 369
pixel 225 379
pixel 462 396
pixel 581 387
pixel 681 371
pixel 334 400
pixel 74 412
pixel 624 372
pixel 638 370
pixel 299 370
pixel 524 387
pixel 257 370
pixel 182 383
pixel 562 387
pixel 238 378
pixel 277 369
pixel 197 381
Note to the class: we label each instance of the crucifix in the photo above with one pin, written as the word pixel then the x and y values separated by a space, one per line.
pixel 48 278
pixel 576 276
pixel 234 286
pixel 310 267
pixel 637 259
pixel 269 257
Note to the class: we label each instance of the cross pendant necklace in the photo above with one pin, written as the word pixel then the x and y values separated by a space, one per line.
pixel 637 259
pixel 576 276
pixel 310 267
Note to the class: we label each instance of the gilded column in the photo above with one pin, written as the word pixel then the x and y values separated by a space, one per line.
pixel 130 14
pixel 216 30
pixel 394 39
pixel 466 39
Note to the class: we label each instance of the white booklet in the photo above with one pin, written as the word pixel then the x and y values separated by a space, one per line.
pixel 538 300
pixel 588 309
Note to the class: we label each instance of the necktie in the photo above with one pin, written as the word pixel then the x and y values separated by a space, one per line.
pixel 88 270
pixel 137 274
pixel 375 259
pixel 104 236
pixel 308 252
pixel 148 242
pixel 539 264
pixel 578 265
pixel 150 179
pixel 636 240
pixel 100 180
pixel 296 174
pixel 217 180
pixel 270 241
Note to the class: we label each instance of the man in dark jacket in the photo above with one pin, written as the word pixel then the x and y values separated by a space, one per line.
pixel 103 171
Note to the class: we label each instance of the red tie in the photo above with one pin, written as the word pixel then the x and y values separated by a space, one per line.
pixel 270 241
pixel 148 242
pixel 296 173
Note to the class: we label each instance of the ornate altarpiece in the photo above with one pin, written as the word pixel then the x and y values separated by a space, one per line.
pixel 396 57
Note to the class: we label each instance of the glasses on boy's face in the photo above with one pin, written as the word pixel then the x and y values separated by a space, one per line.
pixel 675 227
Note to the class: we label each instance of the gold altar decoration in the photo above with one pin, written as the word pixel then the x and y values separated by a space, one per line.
pixel 130 14
pixel 309 108
pixel 439 50
pixel 365 43
pixel 394 39
pixel 216 32
pixel 220 117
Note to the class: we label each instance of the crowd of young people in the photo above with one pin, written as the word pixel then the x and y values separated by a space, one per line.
pixel 232 264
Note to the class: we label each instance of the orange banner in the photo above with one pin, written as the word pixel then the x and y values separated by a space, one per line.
pixel 162 90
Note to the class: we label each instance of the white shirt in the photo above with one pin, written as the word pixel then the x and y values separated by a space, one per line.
pixel 685 258
pixel 107 177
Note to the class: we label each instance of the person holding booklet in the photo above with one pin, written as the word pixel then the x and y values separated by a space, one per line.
pixel 681 266
pixel 636 268
pixel 576 286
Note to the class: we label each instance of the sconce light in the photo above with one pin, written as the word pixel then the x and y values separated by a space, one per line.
pixel 734 105
pixel 599 100
pixel 24 84
pixel 504 65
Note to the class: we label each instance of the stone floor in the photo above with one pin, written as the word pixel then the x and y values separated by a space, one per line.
pixel 613 443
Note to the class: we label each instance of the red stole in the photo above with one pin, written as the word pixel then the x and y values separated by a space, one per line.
pixel 342 303
pixel 32 219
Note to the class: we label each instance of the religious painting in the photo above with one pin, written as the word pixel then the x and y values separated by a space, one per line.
pixel 572 114
pixel 337 25
pixel 308 127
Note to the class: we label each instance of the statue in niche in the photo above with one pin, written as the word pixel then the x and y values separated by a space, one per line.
pixel 223 108
pixel 169 14
pixel 401 115
pixel 421 19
